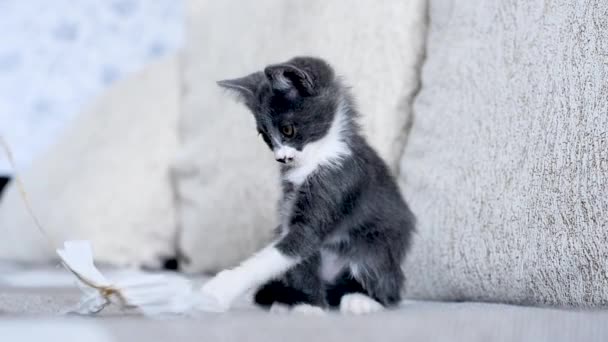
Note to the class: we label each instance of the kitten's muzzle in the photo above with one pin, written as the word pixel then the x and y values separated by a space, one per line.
pixel 284 154
pixel 284 160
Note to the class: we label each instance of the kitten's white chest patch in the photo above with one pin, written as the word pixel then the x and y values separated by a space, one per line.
pixel 331 266
pixel 327 151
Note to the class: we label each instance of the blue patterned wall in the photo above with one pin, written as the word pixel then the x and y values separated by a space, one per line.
pixel 57 55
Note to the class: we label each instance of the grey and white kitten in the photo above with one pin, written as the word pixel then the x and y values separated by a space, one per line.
pixel 345 228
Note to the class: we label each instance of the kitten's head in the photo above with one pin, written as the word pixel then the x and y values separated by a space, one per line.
pixel 294 104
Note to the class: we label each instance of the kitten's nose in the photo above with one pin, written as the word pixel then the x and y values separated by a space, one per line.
pixel 284 154
pixel 284 160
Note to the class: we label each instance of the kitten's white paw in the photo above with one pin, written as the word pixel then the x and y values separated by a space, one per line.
pixel 219 292
pixel 208 303
pixel 308 310
pixel 280 309
pixel 359 304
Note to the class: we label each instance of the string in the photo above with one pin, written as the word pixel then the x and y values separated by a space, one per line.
pixel 106 291
pixel 23 193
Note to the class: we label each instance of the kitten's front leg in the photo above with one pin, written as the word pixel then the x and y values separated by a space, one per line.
pixel 302 240
pixel 221 291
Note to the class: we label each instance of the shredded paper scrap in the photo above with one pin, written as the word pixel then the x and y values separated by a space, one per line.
pixel 152 294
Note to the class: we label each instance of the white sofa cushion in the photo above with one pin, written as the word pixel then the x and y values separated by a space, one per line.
pixel 106 179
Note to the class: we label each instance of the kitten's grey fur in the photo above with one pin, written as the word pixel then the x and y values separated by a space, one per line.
pixel 342 215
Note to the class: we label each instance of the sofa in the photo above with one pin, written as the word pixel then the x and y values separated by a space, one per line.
pixel 493 116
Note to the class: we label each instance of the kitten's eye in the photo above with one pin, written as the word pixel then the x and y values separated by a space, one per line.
pixel 288 130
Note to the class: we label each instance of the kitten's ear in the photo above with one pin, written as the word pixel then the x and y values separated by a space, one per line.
pixel 244 87
pixel 289 79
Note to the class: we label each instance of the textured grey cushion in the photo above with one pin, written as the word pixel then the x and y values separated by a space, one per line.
pixel 39 296
pixel 507 162
pixel 414 321
pixel 420 321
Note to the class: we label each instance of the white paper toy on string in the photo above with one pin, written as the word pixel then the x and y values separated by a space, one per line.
pixel 152 294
